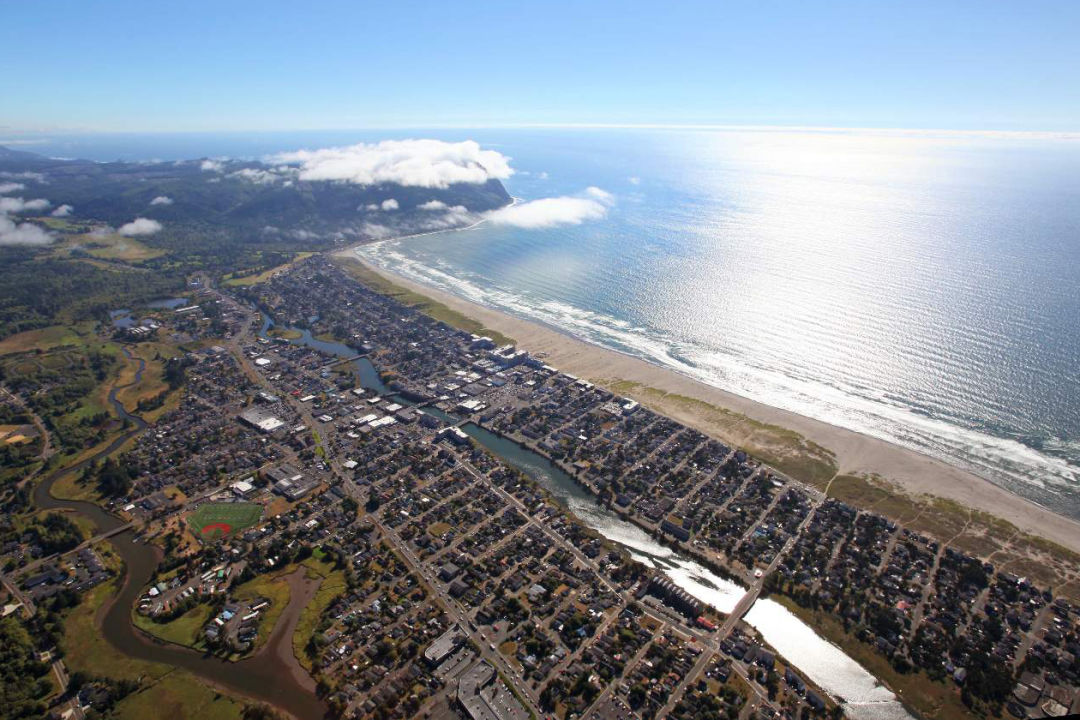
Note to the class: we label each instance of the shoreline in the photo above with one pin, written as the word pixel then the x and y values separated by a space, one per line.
pixel 917 475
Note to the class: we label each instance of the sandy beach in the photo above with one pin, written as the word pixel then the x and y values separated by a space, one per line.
pixel 916 474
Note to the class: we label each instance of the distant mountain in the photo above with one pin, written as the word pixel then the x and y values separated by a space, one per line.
pixel 251 200
pixel 9 154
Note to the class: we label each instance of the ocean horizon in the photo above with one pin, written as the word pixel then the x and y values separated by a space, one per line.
pixel 922 288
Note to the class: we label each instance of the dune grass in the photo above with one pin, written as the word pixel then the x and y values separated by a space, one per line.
pixel 422 303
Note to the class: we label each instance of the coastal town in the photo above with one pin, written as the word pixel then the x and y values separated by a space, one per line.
pixel 434 522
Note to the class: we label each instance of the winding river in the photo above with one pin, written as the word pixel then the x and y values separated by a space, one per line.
pixel 267 677
pixel 271 676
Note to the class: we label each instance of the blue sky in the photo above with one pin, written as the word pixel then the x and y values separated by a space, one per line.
pixel 139 66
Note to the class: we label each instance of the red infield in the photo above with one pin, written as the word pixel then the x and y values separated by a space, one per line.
pixel 224 528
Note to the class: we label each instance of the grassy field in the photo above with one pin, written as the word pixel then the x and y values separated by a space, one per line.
pixel 266 274
pixel 974 532
pixel 152 383
pixel 212 521
pixel 333 584
pixel 184 630
pixel 179 695
pixel 783 449
pixel 70 488
pixel 107 247
pixel 431 308
pixel 86 649
pixel 438 529
pixel 285 334
pixel 46 338
pixel 166 692
pixel 274 588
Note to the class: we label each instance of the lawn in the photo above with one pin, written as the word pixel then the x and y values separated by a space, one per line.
pixel 438 529
pixel 213 521
pixel 184 630
pixel 179 695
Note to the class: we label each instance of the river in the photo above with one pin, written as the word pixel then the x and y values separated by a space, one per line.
pixel 865 697
pixel 266 677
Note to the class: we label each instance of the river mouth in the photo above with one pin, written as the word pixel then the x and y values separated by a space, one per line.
pixel 266 677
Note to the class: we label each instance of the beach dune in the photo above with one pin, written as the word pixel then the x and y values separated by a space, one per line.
pixel 852 453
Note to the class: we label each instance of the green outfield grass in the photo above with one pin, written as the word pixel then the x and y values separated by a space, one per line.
pixel 216 520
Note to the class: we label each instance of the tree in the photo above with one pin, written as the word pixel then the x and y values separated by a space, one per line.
pixel 259 712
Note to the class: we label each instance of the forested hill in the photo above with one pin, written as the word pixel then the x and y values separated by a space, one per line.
pixel 78 238
pixel 250 197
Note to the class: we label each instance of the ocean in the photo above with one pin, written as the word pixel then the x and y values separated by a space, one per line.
pixel 917 287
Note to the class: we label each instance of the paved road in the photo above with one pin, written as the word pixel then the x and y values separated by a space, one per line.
pixel 13 588
pixel 31 567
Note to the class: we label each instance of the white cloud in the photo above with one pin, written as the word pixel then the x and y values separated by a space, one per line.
pixel 433 205
pixel 601 195
pixel 162 200
pixel 62 211
pixel 389 204
pixel 457 215
pixel 257 175
pixel 140 226
pixel 376 231
pixel 542 175
pixel 549 212
pixel 9 187
pixel 35 176
pixel 211 166
pixel 419 163
pixel 22 233
pixel 633 180
pixel 18 205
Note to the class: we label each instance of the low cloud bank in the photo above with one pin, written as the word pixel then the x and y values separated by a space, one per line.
pixel 62 211
pixel 592 204
pixel 19 205
pixel 10 187
pixel 12 233
pixel 162 200
pixel 140 226
pixel 416 163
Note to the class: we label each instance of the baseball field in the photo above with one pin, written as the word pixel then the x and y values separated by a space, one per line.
pixel 211 521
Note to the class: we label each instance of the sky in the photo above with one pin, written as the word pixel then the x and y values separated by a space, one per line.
pixel 133 66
